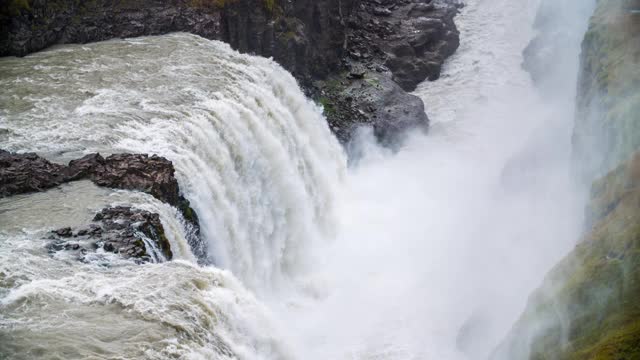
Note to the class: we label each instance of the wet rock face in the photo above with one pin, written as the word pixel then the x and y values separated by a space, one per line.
pixel 607 130
pixel 377 101
pixel 587 307
pixel 415 37
pixel 132 233
pixel 23 173
pixel 151 174
pixel 391 47
pixel 42 23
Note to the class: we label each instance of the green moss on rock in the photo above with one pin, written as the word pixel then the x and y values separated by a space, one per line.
pixel 588 307
pixel 14 7
pixel 607 128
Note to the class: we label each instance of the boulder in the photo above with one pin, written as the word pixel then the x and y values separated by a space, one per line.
pixel 130 232
pixel 22 173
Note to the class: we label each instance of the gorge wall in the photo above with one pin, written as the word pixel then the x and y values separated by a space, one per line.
pixel 358 58
pixel 607 130
pixel 587 307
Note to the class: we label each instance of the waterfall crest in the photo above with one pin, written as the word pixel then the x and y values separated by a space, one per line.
pixel 252 154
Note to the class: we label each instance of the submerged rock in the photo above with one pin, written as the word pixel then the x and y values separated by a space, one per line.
pixel 130 232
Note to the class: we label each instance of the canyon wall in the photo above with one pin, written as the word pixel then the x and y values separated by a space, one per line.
pixel 587 307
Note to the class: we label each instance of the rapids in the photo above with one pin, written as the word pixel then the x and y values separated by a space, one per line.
pixel 425 253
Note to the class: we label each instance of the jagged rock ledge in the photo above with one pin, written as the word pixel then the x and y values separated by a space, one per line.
pixel 132 233
pixel 391 47
pixel 24 173
pixel 358 58
pixel 155 175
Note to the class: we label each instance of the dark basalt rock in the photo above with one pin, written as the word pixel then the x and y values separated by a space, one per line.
pixel 377 101
pixel 28 26
pixel 120 230
pixel 320 42
pixel 151 174
pixel 23 173
pixel 398 44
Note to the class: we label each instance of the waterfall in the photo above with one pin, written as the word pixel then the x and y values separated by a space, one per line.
pixel 425 253
pixel 252 154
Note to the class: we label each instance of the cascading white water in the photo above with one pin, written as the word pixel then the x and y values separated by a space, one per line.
pixel 252 153
pixel 436 246
pixel 442 242
pixel 54 307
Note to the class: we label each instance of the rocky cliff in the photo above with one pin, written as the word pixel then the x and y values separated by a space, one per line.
pixel 587 307
pixel 154 175
pixel 358 58
pixel 607 127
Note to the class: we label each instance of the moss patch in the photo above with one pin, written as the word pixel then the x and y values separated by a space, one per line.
pixel 589 305
pixel 608 116
pixel 14 7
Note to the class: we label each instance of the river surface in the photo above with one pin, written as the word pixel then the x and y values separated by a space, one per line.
pixel 429 252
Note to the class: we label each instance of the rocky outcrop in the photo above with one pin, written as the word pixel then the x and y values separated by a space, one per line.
pixel 23 173
pixel 132 233
pixel 391 46
pixel 587 307
pixel 358 58
pixel 154 175
pixel 32 25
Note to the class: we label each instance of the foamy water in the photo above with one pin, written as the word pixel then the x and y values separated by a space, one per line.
pixel 426 253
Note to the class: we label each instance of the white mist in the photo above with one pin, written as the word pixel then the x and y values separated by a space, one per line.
pixel 441 243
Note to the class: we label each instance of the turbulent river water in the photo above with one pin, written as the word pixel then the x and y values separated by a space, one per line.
pixel 425 253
